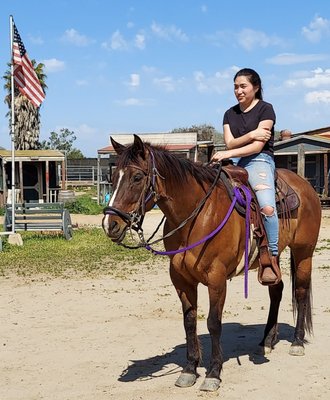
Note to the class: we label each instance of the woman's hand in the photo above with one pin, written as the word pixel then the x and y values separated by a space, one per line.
pixel 261 134
pixel 221 155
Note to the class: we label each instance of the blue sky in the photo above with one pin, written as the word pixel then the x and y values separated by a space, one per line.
pixel 154 65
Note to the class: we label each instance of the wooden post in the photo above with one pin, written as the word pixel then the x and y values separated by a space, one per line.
pixel 5 188
pixel 301 160
pixel 63 175
pixel 47 181
pixel 98 178
pixel 21 183
pixel 326 176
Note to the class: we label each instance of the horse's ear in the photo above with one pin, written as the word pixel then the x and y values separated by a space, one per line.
pixel 139 146
pixel 119 148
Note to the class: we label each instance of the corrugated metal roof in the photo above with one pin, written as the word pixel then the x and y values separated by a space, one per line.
pixel 33 154
pixel 160 138
pixel 318 131
pixel 170 147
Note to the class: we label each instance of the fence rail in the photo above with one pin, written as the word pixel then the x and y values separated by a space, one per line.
pixel 86 176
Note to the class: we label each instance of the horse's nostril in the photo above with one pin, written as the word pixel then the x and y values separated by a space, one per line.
pixel 113 227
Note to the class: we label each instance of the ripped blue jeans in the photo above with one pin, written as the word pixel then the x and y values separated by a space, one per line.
pixel 261 169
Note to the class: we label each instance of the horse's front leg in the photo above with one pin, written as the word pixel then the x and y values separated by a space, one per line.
pixel 217 297
pixel 187 293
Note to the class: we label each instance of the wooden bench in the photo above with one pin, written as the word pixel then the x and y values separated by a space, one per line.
pixel 39 217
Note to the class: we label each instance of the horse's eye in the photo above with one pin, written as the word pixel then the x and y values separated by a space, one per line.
pixel 137 178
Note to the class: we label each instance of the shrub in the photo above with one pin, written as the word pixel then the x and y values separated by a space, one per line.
pixel 84 205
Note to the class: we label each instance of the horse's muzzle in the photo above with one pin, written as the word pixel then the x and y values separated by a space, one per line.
pixel 114 227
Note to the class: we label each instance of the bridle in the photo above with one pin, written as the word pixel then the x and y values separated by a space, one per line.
pixel 134 219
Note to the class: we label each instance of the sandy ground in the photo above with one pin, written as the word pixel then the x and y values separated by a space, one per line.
pixel 96 339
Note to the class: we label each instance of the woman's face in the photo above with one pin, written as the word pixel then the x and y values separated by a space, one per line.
pixel 244 91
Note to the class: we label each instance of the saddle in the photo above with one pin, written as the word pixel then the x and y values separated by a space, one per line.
pixel 287 200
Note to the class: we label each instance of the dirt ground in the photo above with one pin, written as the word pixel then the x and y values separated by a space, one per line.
pixel 97 339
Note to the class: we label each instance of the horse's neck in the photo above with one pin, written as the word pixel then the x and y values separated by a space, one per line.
pixel 177 202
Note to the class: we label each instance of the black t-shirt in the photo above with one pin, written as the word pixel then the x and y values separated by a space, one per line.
pixel 243 122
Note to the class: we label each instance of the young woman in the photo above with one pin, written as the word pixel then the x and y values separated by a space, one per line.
pixel 248 129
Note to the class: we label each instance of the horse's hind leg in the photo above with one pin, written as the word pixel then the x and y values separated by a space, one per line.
pixel 301 268
pixel 187 293
pixel 270 333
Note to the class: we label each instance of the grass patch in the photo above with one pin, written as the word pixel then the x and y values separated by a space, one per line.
pixel 89 252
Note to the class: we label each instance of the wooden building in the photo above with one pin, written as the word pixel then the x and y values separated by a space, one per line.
pixel 36 175
pixel 306 153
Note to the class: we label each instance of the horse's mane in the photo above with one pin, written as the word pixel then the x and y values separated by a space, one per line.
pixel 165 161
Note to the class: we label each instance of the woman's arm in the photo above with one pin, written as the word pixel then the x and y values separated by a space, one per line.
pixel 243 147
pixel 244 151
pixel 262 133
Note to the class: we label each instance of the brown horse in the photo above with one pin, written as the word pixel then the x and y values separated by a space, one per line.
pixel 146 174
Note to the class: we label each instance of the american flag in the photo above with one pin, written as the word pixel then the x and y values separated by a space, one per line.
pixel 24 74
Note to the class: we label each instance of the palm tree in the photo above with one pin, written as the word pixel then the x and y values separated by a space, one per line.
pixel 27 116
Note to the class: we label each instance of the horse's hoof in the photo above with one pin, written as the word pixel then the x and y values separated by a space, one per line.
pixel 297 350
pixel 210 385
pixel 185 380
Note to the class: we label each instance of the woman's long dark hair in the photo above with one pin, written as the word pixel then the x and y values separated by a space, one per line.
pixel 253 78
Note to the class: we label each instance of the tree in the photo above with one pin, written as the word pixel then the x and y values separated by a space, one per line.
pixel 204 131
pixel 62 141
pixel 27 116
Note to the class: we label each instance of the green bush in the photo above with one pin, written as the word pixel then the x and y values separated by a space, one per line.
pixel 84 205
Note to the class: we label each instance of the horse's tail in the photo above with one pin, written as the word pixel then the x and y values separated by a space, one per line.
pixel 307 315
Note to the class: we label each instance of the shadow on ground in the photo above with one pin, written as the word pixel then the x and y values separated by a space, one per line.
pixel 237 341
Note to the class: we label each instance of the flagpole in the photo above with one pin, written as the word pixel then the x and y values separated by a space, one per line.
pixel 12 126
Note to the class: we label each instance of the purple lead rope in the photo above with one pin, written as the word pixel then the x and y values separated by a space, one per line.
pixel 191 246
pixel 246 202
pixel 243 201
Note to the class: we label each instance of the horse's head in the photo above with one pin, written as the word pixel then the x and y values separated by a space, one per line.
pixel 133 187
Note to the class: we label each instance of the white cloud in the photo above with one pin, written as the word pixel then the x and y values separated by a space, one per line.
pixel 84 130
pixel 167 83
pixel 80 130
pixel 74 37
pixel 133 101
pixel 118 42
pixel 218 83
pixel 318 28
pixel 312 79
pixel 53 65
pixel 250 39
pixel 292 58
pixel 322 96
pixel 135 80
pixel 140 41
pixel 169 32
